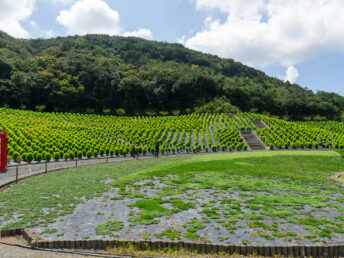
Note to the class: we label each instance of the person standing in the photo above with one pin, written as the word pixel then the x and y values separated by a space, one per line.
pixel 133 150
pixel 157 149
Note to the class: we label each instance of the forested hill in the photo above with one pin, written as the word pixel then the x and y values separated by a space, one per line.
pixel 104 74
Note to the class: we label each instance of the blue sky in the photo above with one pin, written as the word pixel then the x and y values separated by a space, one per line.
pixel 299 40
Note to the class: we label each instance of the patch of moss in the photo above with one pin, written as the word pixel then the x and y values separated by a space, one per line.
pixel 107 227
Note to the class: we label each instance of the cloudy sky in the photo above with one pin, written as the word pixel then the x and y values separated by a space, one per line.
pixel 297 40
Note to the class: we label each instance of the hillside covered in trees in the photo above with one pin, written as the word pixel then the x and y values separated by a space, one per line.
pixel 117 75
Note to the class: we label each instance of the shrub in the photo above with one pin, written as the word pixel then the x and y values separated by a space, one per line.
pixel 238 147
pixel 245 147
pixel 124 153
pixel 66 156
pixel 29 157
pixel 95 153
pixel 112 152
pixel 206 148
pixel 144 150
pixel 71 155
pixel 79 154
pixel 56 156
pixel 139 149
pixel 213 148
pixel 15 155
pixel 9 158
pixel 101 152
pixel 24 156
pixel 117 151
pixel 47 157
pixel 39 157
pixel 89 154
pixel 18 159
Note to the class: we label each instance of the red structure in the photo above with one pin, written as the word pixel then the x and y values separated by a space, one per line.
pixel 3 151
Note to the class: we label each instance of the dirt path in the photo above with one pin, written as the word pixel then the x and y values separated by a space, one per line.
pixel 7 251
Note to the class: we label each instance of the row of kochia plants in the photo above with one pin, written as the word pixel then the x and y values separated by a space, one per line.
pixel 282 134
pixel 35 136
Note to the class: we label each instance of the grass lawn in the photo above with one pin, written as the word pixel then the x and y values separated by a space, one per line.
pixel 280 196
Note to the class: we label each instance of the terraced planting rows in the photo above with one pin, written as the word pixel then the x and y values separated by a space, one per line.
pixel 37 137
pixel 281 134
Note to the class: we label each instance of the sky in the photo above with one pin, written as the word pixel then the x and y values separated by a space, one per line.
pixel 300 41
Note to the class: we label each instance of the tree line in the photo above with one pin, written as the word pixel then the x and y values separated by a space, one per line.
pixel 118 75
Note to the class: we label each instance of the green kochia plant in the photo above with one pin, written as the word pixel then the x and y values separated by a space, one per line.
pixel 56 156
pixel 71 155
pixel 29 157
pixel 39 157
pixel 47 157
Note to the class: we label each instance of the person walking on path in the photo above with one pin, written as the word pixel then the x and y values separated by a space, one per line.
pixel 133 150
pixel 157 149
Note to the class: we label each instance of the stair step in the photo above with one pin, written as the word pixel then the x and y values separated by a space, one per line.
pixel 259 124
pixel 252 141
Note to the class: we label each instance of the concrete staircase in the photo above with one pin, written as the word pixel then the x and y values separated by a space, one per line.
pixel 252 141
pixel 259 124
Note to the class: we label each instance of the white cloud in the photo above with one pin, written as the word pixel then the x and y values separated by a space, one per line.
pixel 95 17
pixel 64 2
pixel 90 16
pixel 141 33
pixel 266 32
pixel 291 74
pixel 14 12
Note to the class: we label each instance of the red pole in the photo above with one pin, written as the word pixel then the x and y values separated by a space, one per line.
pixel 3 151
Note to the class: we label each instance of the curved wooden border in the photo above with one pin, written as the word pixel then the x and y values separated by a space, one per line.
pixel 328 250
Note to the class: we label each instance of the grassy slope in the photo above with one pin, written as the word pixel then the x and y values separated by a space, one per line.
pixel 62 191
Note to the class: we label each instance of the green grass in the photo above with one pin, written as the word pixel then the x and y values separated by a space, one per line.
pixel 270 185
pixel 107 228
pixel 170 233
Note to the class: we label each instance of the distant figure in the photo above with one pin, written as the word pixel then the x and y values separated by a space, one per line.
pixel 321 144
pixel 156 149
pixel 133 150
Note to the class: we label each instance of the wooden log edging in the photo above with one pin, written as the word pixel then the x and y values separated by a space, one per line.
pixel 328 250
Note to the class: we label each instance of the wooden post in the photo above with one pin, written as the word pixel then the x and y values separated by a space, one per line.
pixel 17 174
pixel 46 167
pixel 76 162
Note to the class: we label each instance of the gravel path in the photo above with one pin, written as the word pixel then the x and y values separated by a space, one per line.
pixel 25 171
pixel 17 252
pixel 7 251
